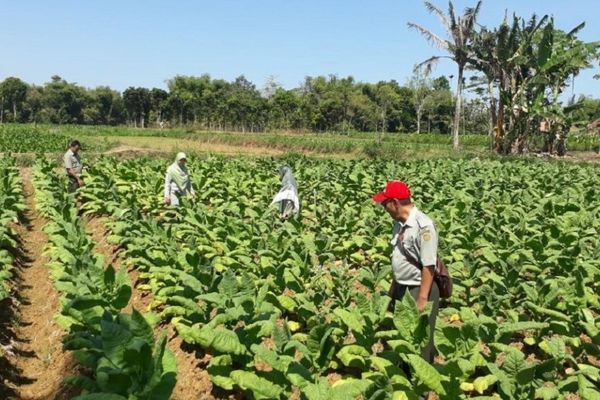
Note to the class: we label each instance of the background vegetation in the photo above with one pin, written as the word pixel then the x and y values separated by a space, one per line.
pixel 515 77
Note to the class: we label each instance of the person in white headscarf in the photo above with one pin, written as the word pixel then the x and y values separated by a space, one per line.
pixel 288 200
pixel 178 183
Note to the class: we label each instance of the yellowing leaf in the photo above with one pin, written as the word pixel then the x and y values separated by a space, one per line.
pixel 399 396
pixel 293 325
pixel 482 383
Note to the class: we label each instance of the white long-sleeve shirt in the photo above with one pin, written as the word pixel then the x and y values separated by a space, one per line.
pixel 171 188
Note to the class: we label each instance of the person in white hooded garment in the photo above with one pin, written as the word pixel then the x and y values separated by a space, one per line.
pixel 178 183
pixel 287 198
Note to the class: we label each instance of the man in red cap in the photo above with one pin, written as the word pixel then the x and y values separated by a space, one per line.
pixel 414 255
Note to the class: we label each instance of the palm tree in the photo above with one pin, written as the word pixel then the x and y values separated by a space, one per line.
pixel 460 34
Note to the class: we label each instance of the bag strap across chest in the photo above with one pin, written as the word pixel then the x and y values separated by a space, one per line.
pixel 441 274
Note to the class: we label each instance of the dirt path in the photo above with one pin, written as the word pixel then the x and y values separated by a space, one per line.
pixel 193 382
pixel 39 357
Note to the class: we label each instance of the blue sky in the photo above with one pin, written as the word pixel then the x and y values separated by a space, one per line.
pixel 124 43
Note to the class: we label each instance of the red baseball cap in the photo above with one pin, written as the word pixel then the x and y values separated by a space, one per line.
pixel 393 190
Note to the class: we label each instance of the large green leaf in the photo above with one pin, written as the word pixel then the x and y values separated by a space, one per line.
pixel 260 388
pixel 427 374
pixel 221 339
pixel 353 356
pixel 115 338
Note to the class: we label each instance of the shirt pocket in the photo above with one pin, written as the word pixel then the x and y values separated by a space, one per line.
pixel 409 243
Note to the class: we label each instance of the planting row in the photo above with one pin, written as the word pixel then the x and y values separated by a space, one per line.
pixel 11 206
pixel 119 355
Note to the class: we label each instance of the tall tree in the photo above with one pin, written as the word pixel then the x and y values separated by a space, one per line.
pixel 385 96
pixel 159 99
pixel 284 108
pixel 460 31
pixel 438 107
pixel 12 92
pixel 188 95
pixel 137 102
pixel 33 104
pixel 63 102
pixel 244 104
pixel 130 100
pixel 104 107
pixel 422 88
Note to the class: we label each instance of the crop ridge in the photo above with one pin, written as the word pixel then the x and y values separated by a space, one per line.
pixel 193 382
pixel 10 375
pixel 39 359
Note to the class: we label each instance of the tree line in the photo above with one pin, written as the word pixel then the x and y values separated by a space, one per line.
pixel 322 103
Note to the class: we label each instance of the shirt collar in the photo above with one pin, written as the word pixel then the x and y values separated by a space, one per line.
pixel 412 218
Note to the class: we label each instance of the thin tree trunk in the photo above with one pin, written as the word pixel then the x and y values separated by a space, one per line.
pixel 493 113
pixel 456 127
pixel 382 126
pixel 2 110
pixel 14 111
pixel 419 115
pixel 499 139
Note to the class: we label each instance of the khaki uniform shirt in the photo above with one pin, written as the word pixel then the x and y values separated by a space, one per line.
pixel 72 160
pixel 420 241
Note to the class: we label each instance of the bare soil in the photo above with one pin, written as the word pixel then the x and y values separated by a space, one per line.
pixel 127 151
pixel 135 146
pixel 158 145
pixel 38 358
pixel 587 156
pixel 193 382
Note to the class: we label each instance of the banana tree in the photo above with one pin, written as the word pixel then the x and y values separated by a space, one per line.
pixel 530 63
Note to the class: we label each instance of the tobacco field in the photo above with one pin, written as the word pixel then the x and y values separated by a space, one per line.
pixel 298 309
pixel 42 139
